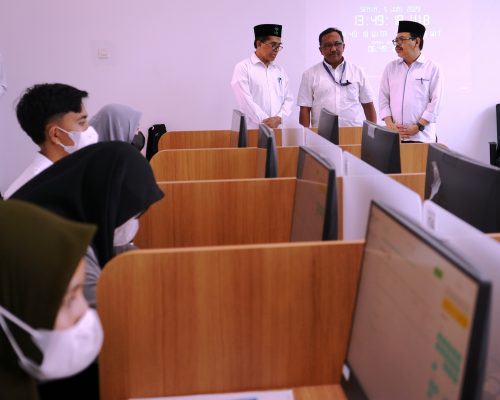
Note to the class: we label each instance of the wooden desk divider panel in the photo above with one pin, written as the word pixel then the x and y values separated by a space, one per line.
pixel 208 139
pixel 200 164
pixel 210 213
pixel 413 157
pixel 348 134
pixel 414 181
pixel 224 319
pixel 225 163
pixel 222 212
pixel 195 139
pixel 354 149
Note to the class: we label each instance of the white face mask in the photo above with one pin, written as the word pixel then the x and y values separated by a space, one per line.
pixel 65 352
pixel 126 232
pixel 80 139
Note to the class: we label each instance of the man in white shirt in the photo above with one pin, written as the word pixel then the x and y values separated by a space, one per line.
pixel 261 86
pixel 335 84
pixel 411 88
pixel 3 79
pixel 54 117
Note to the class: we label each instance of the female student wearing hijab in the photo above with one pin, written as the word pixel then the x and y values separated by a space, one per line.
pixel 47 330
pixel 118 122
pixel 107 184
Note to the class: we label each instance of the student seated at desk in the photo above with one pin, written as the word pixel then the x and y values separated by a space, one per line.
pixel 107 184
pixel 47 330
pixel 54 117
pixel 118 122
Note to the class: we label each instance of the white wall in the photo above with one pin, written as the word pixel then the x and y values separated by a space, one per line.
pixel 173 59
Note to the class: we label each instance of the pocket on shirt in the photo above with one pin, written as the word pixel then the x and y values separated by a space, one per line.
pixel 352 91
pixel 422 88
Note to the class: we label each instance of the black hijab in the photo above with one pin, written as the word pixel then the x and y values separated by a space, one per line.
pixel 105 184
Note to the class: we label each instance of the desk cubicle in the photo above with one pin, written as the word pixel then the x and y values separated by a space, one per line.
pixel 225 319
pixel 223 163
pixel 413 155
pixel 228 138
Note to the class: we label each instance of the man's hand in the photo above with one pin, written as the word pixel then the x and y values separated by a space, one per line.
pixel 407 131
pixel 272 122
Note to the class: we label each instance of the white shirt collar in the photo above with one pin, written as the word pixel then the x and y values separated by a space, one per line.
pixel 421 59
pixel 256 60
pixel 329 66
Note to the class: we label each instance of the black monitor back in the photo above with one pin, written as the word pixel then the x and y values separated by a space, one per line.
pixel 380 148
pixel 328 126
pixel 239 125
pixel 315 208
pixel 266 140
pixel 463 186
pixel 420 323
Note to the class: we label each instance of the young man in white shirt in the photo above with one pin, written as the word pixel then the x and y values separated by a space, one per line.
pixel 335 84
pixel 260 86
pixel 411 88
pixel 54 117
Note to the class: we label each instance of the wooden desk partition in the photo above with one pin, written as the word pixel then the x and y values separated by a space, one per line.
pixel 235 318
pixel 415 182
pixel 222 212
pixel 348 134
pixel 224 163
pixel 210 213
pixel 208 139
pixel 413 155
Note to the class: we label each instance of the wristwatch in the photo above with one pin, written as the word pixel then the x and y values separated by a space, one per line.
pixel 420 126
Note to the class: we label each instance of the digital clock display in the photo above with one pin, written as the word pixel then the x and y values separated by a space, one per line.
pixel 377 25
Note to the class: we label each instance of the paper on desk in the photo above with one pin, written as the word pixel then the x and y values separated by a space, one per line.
pixel 263 395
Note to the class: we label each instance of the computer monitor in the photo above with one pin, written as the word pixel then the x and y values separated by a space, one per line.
pixel 420 323
pixel 315 202
pixel 328 126
pixel 465 187
pixel 380 148
pixel 266 140
pixel 239 127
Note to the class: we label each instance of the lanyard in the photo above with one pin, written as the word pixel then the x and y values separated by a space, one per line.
pixel 341 75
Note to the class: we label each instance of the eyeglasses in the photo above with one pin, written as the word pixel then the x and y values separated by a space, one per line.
pixel 399 40
pixel 330 46
pixel 275 46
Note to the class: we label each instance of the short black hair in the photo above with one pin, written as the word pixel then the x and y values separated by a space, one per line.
pixel 42 103
pixel 330 30
pixel 416 35
pixel 261 39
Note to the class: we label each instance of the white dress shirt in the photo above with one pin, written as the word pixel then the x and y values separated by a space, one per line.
pixel 408 93
pixel 261 92
pixel 39 163
pixel 3 79
pixel 318 90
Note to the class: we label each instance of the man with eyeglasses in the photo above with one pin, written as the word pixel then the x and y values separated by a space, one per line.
pixel 335 84
pixel 261 86
pixel 411 88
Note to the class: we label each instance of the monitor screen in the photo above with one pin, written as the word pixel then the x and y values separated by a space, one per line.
pixel 420 320
pixel 315 202
pixel 266 140
pixel 328 126
pixel 465 187
pixel 239 127
pixel 380 148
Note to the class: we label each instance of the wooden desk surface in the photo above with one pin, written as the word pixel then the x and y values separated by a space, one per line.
pixel 323 392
